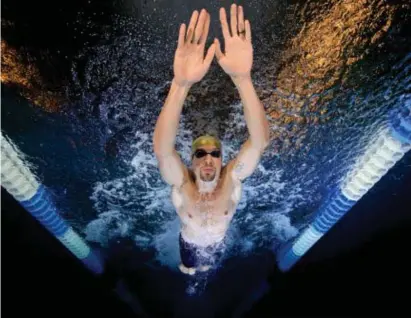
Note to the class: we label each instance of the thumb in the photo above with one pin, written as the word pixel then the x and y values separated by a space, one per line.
pixel 209 57
pixel 219 54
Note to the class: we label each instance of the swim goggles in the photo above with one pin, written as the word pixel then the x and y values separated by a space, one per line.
pixel 200 153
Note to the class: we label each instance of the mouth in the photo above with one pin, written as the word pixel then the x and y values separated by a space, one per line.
pixel 208 169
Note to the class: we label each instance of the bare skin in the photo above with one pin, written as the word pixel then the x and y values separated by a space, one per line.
pixel 206 194
pixel 205 213
pixel 221 199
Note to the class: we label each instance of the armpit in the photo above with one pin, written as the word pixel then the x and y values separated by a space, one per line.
pixel 185 180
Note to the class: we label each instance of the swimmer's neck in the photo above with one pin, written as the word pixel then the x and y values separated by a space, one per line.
pixel 209 187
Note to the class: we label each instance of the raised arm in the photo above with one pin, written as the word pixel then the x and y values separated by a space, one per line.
pixel 190 66
pixel 237 63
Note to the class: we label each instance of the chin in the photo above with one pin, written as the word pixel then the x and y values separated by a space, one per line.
pixel 205 178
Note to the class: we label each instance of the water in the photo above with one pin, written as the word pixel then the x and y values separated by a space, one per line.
pixel 327 73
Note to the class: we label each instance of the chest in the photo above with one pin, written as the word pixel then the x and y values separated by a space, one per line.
pixel 192 205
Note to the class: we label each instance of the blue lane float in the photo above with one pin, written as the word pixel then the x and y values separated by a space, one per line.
pixel 21 183
pixel 388 146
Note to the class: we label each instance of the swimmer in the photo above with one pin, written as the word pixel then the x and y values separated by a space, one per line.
pixel 205 195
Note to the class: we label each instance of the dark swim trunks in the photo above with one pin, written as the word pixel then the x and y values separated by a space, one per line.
pixel 194 256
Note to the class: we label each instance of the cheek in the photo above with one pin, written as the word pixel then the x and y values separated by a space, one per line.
pixel 195 165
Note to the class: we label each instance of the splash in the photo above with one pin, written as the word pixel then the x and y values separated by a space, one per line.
pixel 139 206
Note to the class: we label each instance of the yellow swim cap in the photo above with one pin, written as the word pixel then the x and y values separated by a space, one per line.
pixel 206 140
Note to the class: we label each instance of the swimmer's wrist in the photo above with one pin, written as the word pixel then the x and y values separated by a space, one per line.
pixel 238 80
pixel 182 84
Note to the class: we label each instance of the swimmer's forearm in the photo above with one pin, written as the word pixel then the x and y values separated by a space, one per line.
pixel 168 121
pixel 254 112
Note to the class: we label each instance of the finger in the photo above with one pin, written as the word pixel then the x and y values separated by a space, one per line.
pixel 205 31
pixel 247 30
pixel 224 24
pixel 218 52
pixel 209 57
pixel 189 36
pixel 200 26
pixel 191 26
pixel 241 26
pixel 233 20
pixel 181 36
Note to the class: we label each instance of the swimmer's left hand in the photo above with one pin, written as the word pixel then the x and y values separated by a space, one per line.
pixel 237 60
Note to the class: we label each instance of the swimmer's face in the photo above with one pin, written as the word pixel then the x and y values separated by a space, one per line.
pixel 207 168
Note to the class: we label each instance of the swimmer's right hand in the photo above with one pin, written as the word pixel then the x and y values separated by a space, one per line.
pixel 190 66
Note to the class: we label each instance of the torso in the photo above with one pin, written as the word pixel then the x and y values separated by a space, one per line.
pixel 206 218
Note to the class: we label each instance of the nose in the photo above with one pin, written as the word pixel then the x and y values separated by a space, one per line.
pixel 208 158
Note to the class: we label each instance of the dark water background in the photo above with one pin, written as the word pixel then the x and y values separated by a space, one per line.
pixel 84 81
